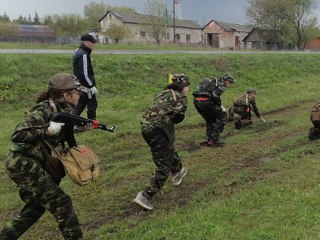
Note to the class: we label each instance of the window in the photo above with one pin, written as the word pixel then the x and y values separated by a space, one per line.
pixel 188 38
pixel 178 37
pixel 143 34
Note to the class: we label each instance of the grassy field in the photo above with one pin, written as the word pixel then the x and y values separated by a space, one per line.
pixel 262 185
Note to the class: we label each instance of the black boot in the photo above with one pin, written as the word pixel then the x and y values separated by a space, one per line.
pixel 237 124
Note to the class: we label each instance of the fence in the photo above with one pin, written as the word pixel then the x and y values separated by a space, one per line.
pixel 40 39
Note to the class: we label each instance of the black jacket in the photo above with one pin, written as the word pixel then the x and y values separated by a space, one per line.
pixel 82 67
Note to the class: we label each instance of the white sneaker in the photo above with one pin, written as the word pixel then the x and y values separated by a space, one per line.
pixel 177 178
pixel 143 201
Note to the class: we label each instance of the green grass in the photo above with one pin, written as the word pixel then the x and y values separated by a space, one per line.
pixel 262 185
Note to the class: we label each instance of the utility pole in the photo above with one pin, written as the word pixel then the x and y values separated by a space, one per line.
pixel 174 21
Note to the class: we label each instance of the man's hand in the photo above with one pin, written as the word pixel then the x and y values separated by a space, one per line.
pixel 93 90
pixel 54 128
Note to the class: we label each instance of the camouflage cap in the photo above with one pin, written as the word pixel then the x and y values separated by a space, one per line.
pixel 180 78
pixel 228 77
pixel 64 81
pixel 251 90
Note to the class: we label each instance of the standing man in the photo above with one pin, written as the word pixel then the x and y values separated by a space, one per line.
pixel 207 101
pixel 243 106
pixel 83 70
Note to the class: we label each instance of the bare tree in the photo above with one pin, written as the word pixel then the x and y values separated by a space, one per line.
pixel 156 10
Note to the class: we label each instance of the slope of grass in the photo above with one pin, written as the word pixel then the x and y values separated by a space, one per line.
pixel 262 185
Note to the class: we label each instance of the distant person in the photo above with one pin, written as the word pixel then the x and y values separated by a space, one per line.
pixel 158 130
pixel 243 106
pixel 30 169
pixel 314 132
pixel 207 101
pixel 83 70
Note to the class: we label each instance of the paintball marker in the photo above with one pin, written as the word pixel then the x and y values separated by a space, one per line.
pixel 64 117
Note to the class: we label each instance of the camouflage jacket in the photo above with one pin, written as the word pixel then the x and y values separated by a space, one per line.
pixel 29 133
pixel 168 108
pixel 315 112
pixel 246 101
pixel 211 88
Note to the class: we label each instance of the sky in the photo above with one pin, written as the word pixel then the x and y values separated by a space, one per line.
pixel 202 11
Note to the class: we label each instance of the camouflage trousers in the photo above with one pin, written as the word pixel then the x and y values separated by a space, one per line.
pixel 314 132
pixel 40 193
pixel 164 156
pixel 215 116
pixel 245 115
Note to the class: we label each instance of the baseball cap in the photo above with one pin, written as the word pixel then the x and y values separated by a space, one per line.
pixel 88 37
pixel 64 81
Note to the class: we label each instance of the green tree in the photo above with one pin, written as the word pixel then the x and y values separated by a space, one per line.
pixel 4 18
pixel 66 24
pixel 117 32
pixel 303 19
pixel 93 12
pixel 21 20
pixel 29 19
pixel 270 15
pixel 156 10
pixel 36 18
pixel 283 20
pixel 8 28
pixel 309 32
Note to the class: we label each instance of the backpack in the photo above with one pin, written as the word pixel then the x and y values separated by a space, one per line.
pixel 209 87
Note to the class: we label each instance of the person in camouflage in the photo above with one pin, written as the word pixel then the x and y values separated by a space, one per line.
pixel 207 101
pixel 243 106
pixel 314 132
pixel 157 128
pixel 28 165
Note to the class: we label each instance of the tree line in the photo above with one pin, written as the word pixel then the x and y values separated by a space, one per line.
pixel 63 24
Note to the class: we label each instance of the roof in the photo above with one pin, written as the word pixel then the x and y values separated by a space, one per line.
pixel 258 35
pixel 34 30
pixel 136 18
pixel 231 26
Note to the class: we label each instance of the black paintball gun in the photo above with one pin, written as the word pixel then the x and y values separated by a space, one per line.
pixel 65 117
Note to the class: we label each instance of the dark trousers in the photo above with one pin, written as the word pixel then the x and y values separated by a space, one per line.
pixel 164 156
pixel 214 116
pixel 40 193
pixel 90 103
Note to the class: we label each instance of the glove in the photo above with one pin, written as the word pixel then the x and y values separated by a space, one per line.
pixel 54 128
pixel 93 90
